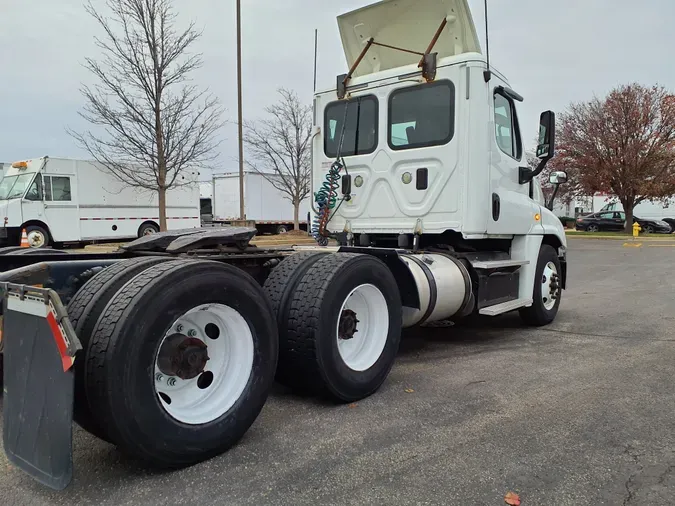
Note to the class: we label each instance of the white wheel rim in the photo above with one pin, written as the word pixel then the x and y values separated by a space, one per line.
pixel 362 351
pixel 549 286
pixel 36 239
pixel 230 362
pixel 149 231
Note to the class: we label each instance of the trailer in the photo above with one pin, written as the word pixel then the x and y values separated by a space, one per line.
pixel 425 213
pixel 266 207
pixel 57 200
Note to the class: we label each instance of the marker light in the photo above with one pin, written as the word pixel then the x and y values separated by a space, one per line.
pixel 537 217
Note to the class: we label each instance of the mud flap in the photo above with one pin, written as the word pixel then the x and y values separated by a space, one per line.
pixel 39 349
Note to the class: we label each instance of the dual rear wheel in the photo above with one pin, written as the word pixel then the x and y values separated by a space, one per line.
pixel 339 318
pixel 179 355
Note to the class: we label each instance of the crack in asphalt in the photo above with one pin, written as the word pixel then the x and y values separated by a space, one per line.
pixel 586 334
pixel 630 493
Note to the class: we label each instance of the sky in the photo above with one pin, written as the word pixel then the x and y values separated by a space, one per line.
pixel 552 52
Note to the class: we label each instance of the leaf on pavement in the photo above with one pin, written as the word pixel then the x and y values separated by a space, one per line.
pixel 352 406
pixel 512 499
pixel 409 390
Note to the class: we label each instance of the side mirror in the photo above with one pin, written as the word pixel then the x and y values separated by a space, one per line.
pixel 558 177
pixel 546 146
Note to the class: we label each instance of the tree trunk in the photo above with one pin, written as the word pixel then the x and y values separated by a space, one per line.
pixel 628 209
pixel 162 209
pixel 296 215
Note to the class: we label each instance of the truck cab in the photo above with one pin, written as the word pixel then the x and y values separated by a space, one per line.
pixel 21 197
pixel 425 157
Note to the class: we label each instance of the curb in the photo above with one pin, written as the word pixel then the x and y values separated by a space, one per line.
pixel 627 238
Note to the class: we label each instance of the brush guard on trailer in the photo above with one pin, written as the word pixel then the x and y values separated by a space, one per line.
pixel 38 383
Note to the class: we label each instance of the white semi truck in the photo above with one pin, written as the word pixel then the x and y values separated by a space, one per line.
pixel 58 200
pixel 169 348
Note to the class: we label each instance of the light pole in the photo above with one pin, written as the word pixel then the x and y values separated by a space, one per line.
pixel 242 208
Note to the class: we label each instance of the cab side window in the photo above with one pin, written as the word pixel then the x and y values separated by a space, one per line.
pixel 507 130
pixel 35 190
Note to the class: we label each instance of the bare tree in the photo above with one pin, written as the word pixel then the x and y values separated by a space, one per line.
pixel 151 124
pixel 622 145
pixel 279 148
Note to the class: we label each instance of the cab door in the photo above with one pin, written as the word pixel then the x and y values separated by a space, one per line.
pixel 61 210
pixel 513 212
pixel 32 204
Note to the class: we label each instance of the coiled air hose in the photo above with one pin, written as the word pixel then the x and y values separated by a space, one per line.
pixel 326 200
pixel 327 197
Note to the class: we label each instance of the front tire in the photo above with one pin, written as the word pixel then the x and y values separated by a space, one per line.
pixel 344 328
pixel 168 421
pixel 38 237
pixel 547 289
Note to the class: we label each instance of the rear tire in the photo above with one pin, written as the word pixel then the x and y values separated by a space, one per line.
pixel 120 380
pixel 84 310
pixel 148 229
pixel 282 229
pixel 281 284
pixel 593 229
pixel 359 293
pixel 544 308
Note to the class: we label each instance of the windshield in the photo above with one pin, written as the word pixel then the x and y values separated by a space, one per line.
pixel 13 187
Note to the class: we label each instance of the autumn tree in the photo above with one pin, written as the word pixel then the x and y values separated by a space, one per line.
pixel 149 123
pixel 622 145
pixel 279 148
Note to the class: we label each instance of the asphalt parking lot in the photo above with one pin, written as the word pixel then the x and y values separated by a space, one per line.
pixel 581 412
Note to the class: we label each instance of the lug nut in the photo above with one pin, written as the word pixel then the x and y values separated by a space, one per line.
pixel 192 333
pixel 171 382
pixel 159 376
pixel 179 328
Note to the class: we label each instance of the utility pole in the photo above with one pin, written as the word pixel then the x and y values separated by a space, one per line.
pixel 242 208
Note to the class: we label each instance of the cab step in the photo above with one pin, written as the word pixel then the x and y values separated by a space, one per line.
pixel 498 264
pixel 505 307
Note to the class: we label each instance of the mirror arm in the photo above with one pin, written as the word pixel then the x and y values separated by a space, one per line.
pixel 549 206
pixel 525 174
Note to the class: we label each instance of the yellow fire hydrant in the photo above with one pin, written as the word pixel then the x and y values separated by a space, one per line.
pixel 636 230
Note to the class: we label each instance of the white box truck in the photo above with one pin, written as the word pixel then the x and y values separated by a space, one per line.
pixel 266 207
pixel 59 200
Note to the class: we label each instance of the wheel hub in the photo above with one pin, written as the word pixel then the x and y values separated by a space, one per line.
pixel 348 325
pixel 183 357
pixel 554 286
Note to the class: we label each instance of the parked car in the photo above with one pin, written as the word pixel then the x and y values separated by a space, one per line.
pixel 615 221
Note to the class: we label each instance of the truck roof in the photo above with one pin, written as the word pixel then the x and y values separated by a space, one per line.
pixel 409 25
pixel 412 68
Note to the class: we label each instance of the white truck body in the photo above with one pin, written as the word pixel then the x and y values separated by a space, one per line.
pixel 428 158
pixel 264 203
pixel 77 200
